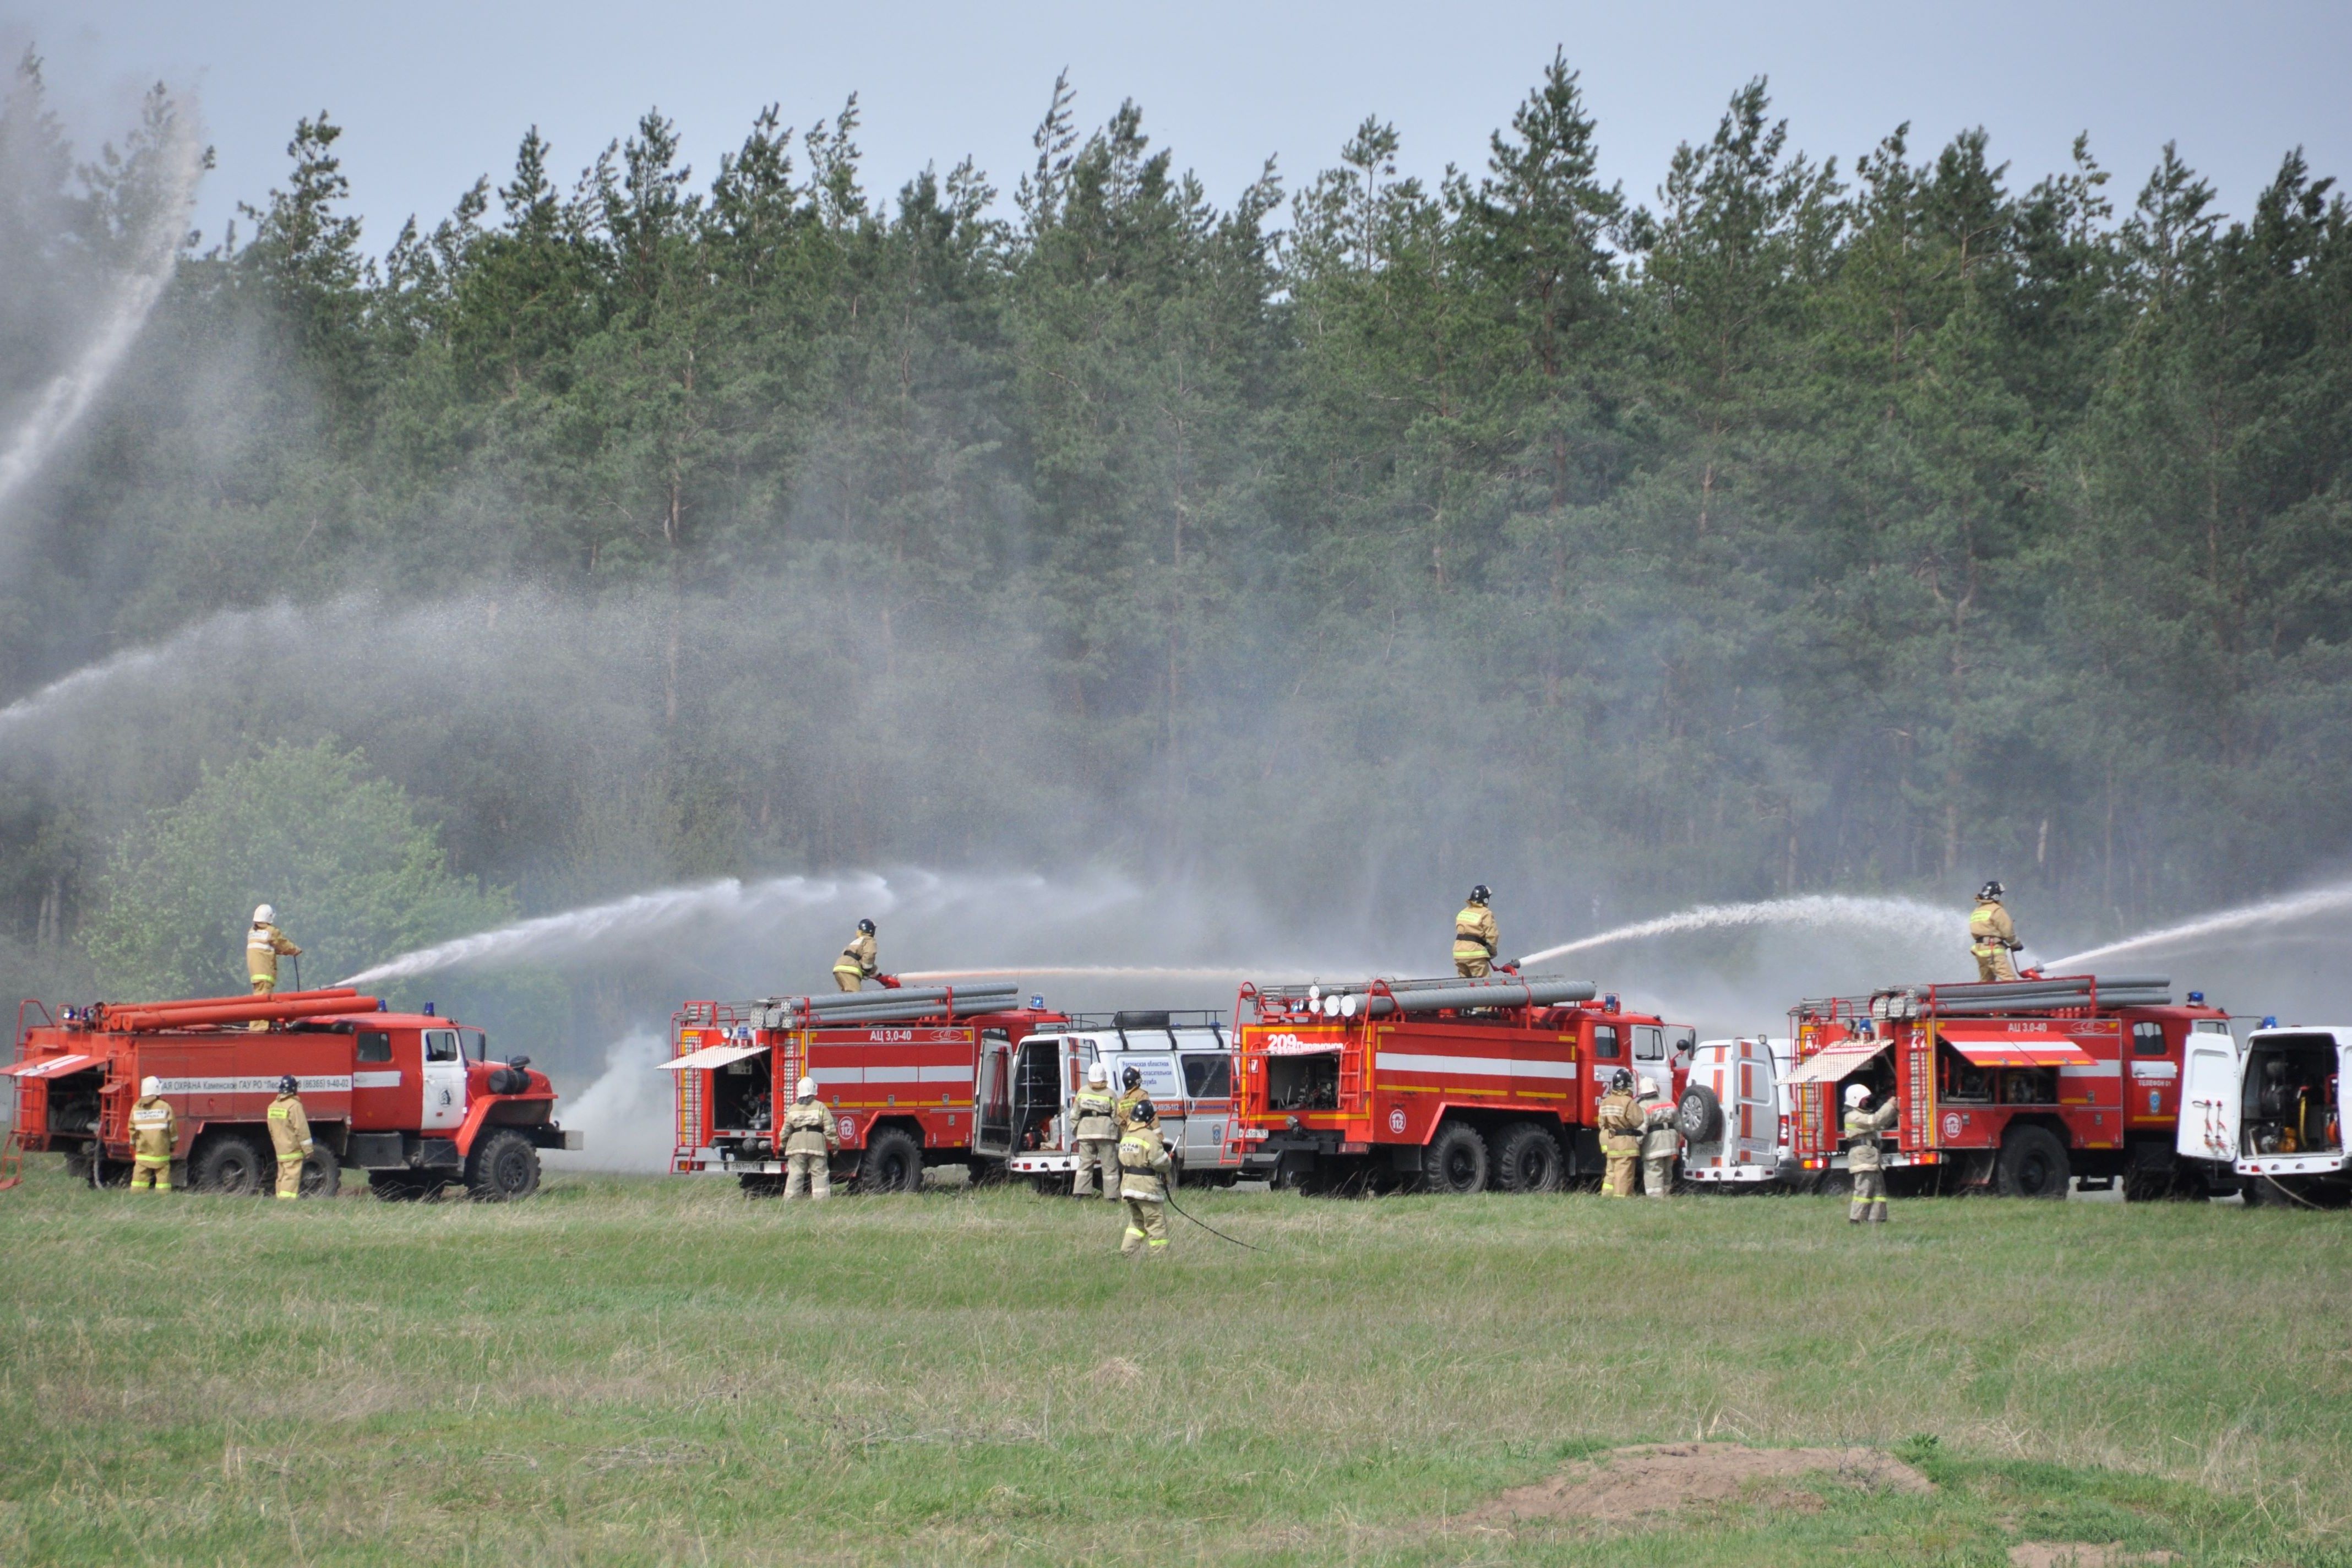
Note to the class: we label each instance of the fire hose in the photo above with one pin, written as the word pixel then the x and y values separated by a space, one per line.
pixel 1169 1199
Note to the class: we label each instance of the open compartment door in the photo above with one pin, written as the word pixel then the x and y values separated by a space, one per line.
pixel 2209 1100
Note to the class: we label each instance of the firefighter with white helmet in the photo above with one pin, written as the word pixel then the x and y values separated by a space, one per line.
pixel 1092 1124
pixel 1992 935
pixel 1862 1160
pixel 860 961
pixel 264 945
pixel 154 1133
pixel 1620 1119
pixel 1144 1171
pixel 290 1136
pixel 1478 942
pixel 809 1144
pixel 1662 1140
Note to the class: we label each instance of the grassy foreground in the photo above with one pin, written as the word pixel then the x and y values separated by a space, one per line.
pixel 659 1371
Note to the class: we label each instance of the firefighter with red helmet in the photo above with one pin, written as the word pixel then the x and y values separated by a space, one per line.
pixel 1992 935
pixel 1144 1169
pixel 1096 1130
pixel 1620 1121
pixel 1478 942
pixel 809 1144
pixel 154 1133
pixel 860 961
pixel 1862 1160
pixel 290 1136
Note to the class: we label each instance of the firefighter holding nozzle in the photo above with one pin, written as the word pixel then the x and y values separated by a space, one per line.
pixel 809 1144
pixel 1862 1160
pixel 859 962
pixel 1476 940
pixel 1992 935
pixel 1144 1169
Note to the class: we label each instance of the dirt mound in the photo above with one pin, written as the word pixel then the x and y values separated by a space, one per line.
pixel 1662 1477
pixel 2080 1555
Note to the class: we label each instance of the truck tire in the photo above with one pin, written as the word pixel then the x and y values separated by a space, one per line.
pixel 322 1174
pixel 1699 1114
pixel 230 1163
pixel 2032 1164
pixel 502 1168
pixel 893 1162
pixel 1455 1161
pixel 1527 1159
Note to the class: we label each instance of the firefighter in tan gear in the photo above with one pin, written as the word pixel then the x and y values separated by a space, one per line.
pixel 1476 940
pixel 860 961
pixel 1097 1134
pixel 1130 1095
pixel 265 945
pixel 1662 1142
pixel 1992 935
pixel 154 1133
pixel 809 1145
pixel 1621 1121
pixel 1863 1157
pixel 290 1135
pixel 1144 1169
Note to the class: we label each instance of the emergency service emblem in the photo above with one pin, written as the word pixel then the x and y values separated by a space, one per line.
pixel 849 1127
pixel 1952 1125
pixel 1396 1119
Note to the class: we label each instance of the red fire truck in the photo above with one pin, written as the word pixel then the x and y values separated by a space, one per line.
pixel 913 1077
pixel 2019 1086
pixel 414 1101
pixel 1445 1085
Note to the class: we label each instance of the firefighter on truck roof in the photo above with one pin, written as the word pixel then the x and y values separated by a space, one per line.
pixel 1097 1134
pixel 264 945
pixel 1620 1119
pixel 290 1135
pixel 1144 1169
pixel 1992 935
pixel 859 962
pixel 1863 1157
pixel 155 1131
pixel 1476 942
pixel 809 1144
pixel 1662 1142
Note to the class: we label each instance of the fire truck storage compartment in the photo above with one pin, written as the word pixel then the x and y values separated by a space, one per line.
pixel 741 1097
pixel 2293 1096
pixel 73 1104
pixel 1306 1082
pixel 1036 1092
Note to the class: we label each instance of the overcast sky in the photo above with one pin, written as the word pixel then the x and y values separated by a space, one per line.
pixel 434 92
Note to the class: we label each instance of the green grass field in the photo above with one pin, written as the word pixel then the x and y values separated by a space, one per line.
pixel 658 1371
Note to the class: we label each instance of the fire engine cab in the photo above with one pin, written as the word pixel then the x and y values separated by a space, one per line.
pixel 913 1078
pixel 414 1101
pixel 2020 1086
pixel 1445 1084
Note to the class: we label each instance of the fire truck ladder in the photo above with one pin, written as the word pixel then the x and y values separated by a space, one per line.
pixel 689 1131
pixel 12 1163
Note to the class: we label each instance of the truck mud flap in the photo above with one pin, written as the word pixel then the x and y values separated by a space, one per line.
pixel 437 1153
pixel 376 1151
pixel 1584 1156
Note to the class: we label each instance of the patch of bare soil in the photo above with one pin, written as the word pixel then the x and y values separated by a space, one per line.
pixel 1662 1477
pixel 2080 1555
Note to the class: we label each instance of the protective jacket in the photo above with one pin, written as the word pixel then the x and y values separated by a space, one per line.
pixel 1476 936
pixel 1659 1136
pixel 1143 1165
pixel 1990 929
pixel 808 1129
pixel 1123 1110
pixel 262 944
pixel 290 1128
pixel 1620 1119
pixel 1091 1114
pixel 155 1131
pixel 1862 1131
pixel 861 958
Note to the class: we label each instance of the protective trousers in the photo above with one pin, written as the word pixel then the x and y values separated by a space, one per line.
pixel 1869 1198
pixel 1658 1175
pixel 263 985
pixel 1474 968
pixel 1146 1227
pixel 1096 1154
pixel 808 1176
pixel 1619 1181
pixel 289 1175
pixel 151 1172
pixel 849 979
pixel 1993 963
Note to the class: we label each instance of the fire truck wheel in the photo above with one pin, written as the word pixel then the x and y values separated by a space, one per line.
pixel 322 1174
pixel 1455 1161
pixel 2032 1164
pixel 229 1163
pixel 1700 1115
pixel 1527 1158
pixel 893 1163
pixel 504 1167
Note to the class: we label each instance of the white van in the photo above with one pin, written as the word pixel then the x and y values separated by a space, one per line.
pixel 2273 1109
pixel 1186 1062
pixel 1735 1113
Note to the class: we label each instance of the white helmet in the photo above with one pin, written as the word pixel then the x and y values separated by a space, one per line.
pixel 265 914
pixel 1855 1094
pixel 1098 1076
pixel 149 1088
pixel 1649 1086
pixel 807 1089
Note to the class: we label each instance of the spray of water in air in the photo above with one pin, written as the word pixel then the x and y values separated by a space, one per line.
pixel 2287 909
pixel 1906 918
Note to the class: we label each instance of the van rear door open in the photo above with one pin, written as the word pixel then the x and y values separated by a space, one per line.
pixel 2209 1100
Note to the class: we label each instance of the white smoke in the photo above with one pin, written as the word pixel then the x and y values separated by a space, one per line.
pixel 625 1116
